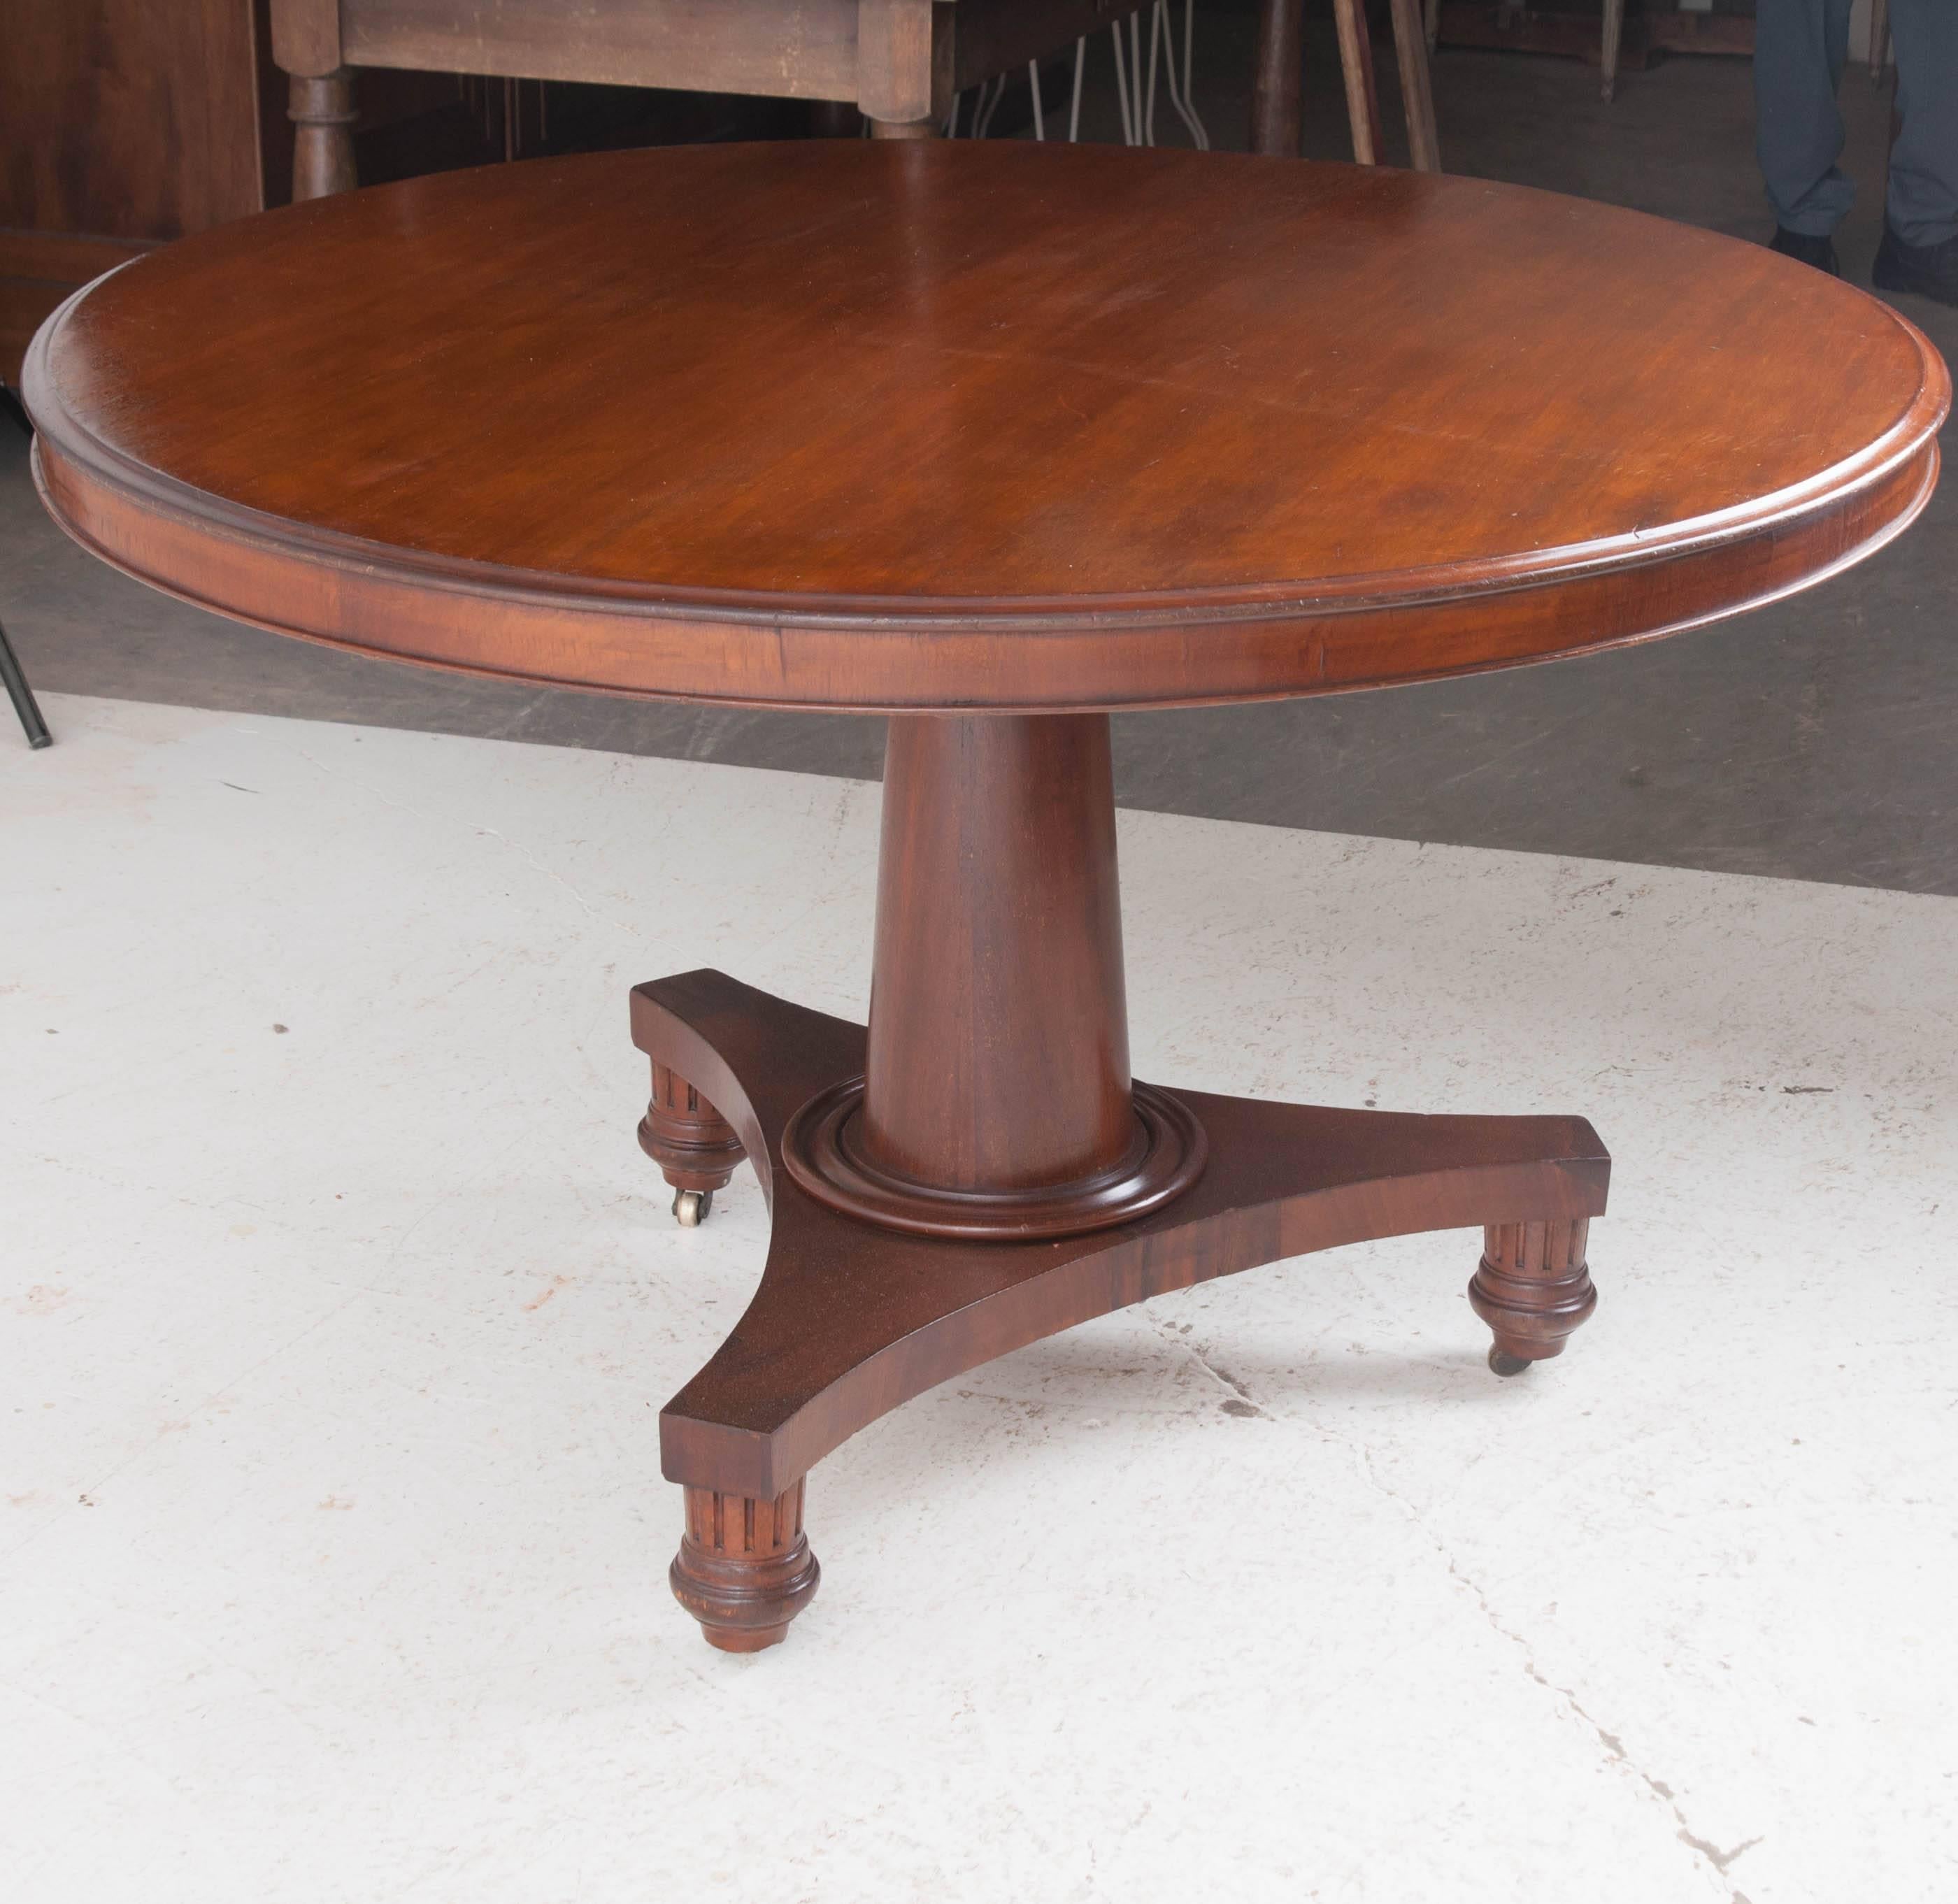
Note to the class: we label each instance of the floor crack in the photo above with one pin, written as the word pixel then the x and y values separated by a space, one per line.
pixel 1613 1745
pixel 1243 1401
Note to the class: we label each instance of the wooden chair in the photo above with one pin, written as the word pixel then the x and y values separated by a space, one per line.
pixel 1275 96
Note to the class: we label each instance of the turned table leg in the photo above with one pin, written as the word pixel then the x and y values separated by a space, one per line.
pixel 744 1570
pixel 1533 1288
pixel 896 45
pixel 322 114
pixel 694 1146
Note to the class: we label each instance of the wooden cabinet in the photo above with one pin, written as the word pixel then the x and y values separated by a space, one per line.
pixel 124 123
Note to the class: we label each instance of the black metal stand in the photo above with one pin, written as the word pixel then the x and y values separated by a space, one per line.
pixel 17 690
pixel 22 696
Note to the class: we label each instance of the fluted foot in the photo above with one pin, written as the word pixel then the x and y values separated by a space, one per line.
pixel 694 1146
pixel 1533 1288
pixel 744 1570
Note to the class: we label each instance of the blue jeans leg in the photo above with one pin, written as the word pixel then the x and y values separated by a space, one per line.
pixel 1800 47
pixel 1922 203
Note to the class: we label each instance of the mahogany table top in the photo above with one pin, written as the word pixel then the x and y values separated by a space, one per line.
pixel 936 424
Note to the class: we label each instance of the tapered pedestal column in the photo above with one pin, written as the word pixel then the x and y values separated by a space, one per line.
pixel 996 1101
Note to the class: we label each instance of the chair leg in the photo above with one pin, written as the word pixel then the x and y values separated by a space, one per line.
pixel 22 696
pixel 1879 40
pixel 1275 87
pixel 1356 64
pixel 323 115
pixel 1417 93
pixel 1614 34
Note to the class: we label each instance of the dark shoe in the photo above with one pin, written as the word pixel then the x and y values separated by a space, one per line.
pixel 1930 271
pixel 1819 252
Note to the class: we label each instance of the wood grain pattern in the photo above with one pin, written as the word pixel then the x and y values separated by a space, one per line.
pixel 974 425
pixel 121 118
pixel 38 272
pixel 783 49
pixel 997 862
pixel 123 124
pixel 995 1100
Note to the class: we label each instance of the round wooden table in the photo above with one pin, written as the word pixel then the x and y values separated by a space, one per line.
pixel 992 438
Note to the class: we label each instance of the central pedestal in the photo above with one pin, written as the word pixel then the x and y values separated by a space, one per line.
pixel 995 1101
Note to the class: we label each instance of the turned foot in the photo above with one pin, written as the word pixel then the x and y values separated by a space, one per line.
pixel 1533 1288
pixel 323 117
pixel 694 1146
pixel 744 1570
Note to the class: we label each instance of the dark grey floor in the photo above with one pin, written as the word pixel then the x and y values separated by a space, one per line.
pixel 1811 740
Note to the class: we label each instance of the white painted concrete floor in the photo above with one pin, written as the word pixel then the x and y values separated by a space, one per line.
pixel 338 1305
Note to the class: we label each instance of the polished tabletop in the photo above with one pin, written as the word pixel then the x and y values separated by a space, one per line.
pixel 907 424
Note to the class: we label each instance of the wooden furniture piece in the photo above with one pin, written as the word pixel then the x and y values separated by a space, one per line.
pixel 1275 125
pixel 125 124
pixel 900 62
pixel 1032 433
pixel 1628 40
pixel 122 123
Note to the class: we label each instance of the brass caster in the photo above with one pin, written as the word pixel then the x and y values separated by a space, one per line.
pixel 1501 1362
pixel 690 1208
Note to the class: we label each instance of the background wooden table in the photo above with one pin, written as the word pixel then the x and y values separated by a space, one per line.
pixel 900 62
